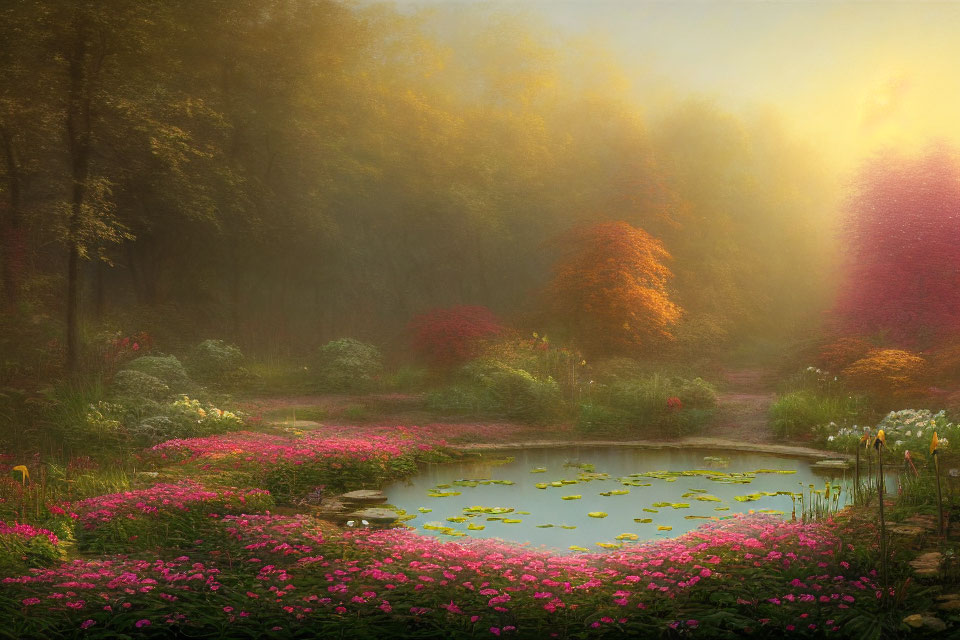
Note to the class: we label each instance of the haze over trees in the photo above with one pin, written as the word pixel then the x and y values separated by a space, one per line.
pixel 282 173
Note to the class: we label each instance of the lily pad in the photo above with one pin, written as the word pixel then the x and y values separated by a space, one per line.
pixel 574 497
pixel 598 514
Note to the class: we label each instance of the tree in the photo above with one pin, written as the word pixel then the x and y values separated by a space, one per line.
pixel 611 288
pixel 902 236
pixel 454 335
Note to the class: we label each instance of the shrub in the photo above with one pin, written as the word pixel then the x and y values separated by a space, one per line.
pixel 184 418
pixel 514 393
pixel 408 378
pixel 23 547
pixel 945 364
pixel 648 404
pixel 166 368
pixel 164 515
pixel 697 394
pixel 348 365
pixel 842 352
pixel 798 414
pixel 907 429
pixel 135 385
pixel 613 369
pixel 215 361
pixel 886 372
pixel 452 336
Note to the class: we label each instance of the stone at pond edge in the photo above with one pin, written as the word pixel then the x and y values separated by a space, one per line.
pixel 925 621
pixel 373 516
pixel 364 496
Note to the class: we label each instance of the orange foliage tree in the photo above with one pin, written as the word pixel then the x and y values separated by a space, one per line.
pixel 611 288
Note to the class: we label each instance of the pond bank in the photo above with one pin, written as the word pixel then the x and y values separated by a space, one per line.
pixel 718 444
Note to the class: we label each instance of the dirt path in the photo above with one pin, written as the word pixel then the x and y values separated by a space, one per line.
pixel 743 408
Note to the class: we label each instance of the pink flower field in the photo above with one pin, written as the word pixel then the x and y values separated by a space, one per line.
pixel 279 576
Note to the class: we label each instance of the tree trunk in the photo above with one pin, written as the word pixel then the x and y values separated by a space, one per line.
pixel 78 143
pixel 14 241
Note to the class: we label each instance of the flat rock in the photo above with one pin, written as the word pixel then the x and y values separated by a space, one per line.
pixel 329 507
pixel 950 603
pixel 906 530
pixel 927 565
pixel 925 621
pixel 364 496
pixel 373 516
pixel 831 464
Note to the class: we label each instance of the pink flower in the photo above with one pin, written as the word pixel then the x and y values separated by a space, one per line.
pixel 142 623
pixel 86 624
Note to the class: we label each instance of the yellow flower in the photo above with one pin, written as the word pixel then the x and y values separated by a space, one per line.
pixel 881 440
pixel 934 443
pixel 24 474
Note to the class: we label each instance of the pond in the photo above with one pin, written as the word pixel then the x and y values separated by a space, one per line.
pixel 593 498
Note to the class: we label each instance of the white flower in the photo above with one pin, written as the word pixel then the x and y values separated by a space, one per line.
pixel 908 434
pixel 830 439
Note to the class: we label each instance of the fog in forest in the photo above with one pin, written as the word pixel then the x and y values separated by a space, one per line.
pixel 281 173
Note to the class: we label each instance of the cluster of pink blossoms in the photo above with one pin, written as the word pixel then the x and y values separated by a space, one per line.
pixel 376 443
pixel 27 532
pixel 187 495
pixel 283 574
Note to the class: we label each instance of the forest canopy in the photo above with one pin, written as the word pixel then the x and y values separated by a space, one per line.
pixel 280 173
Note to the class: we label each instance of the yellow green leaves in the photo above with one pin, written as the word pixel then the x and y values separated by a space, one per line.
pixel 598 514
pixel 664 527
pixel 24 474
pixel 442 494
pixel 643 520
pixel 609 545
pixel 538 470
pixel 616 492
pixel 573 497
pixel 476 527
pixel 574 547
pixel 628 536
pixel 424 510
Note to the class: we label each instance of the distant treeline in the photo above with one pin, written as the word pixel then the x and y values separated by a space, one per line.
pixel 283 172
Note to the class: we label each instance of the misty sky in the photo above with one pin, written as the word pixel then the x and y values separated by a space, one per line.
pixel 848 77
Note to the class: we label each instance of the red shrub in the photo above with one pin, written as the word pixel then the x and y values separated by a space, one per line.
pixel 454 335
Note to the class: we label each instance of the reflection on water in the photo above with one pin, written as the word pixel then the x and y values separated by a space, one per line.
pixel 626 484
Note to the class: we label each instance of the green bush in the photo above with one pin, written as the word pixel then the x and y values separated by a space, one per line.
pixel 800 413
pixel 184 418
pixel 23 547
pixel 492 389
pixel 348 365
pixel 166 368
pixel 134 385
pixel 408 378
pixel 697 394
pixel 639 407
pixel 215 362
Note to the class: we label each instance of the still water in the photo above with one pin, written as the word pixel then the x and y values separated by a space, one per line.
pixel 644 493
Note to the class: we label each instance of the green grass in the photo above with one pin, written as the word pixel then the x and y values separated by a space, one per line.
pixel 797 414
